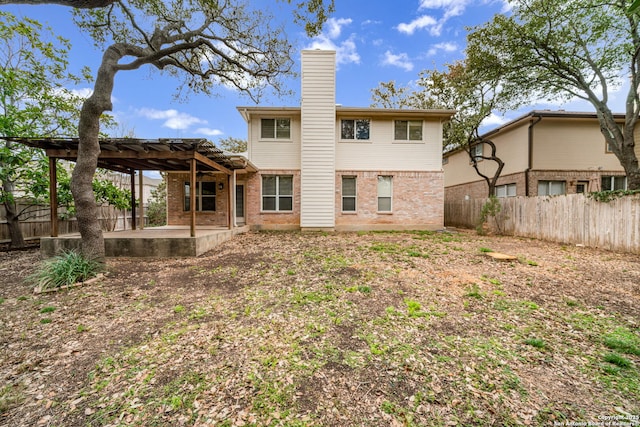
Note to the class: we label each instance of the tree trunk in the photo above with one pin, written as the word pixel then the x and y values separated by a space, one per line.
pixel 629 162
pixel 92 245
pixel 13 219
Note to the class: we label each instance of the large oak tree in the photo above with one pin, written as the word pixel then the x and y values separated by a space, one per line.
pixel 205 43
pixel 474 92
pixel 573 49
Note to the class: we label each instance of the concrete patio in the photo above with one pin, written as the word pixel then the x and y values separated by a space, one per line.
pixel 155 242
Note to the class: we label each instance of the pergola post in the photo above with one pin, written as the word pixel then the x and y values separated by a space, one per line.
pixel 53 195
pixel 192 196
pixel 133 199
pixel 141 195
pixel 230 192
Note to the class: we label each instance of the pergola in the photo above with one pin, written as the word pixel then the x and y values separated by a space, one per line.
pixel 128 155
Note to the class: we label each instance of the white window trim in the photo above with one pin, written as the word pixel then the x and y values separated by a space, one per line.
pixel 390 211
pixel 407 140
pixel 612 181
pixel 275 139
pixel 506 187
pixel 277 195
pixel 354 139
pixel 355 196
pixel 475 154
pixel 548 183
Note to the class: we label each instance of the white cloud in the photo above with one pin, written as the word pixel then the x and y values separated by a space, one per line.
pixel 451 7
pixel 506 6
pixel 83 93
pixel 424 21
pixel 209 131
pixel 334 26
pixel 346 50
pixel 173 119
pixel 446 46
pixel 494 120
pixel 402 60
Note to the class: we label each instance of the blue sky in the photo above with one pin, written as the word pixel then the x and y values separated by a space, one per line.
pixel 375 41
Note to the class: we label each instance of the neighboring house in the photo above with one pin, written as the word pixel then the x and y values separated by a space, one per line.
pixel 545 153
pixel 326 167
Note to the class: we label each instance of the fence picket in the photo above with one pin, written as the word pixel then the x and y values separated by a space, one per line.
pixel 574 219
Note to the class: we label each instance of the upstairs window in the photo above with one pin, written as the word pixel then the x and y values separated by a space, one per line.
pixel 205 196
pixel 477 152
pixel 408 130
pixel 357 129
pixel 275 128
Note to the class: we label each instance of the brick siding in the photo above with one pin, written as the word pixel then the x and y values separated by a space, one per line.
pixel 417 201
pixel 176 215
pixel 478 189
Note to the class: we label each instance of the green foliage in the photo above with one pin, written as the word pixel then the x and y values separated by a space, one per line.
pixel 157 209
pixel 485 250
pixel 608 196
pixel 65 269
pixel 233 145
pixel 48 309
pixel 33 102
pixel 491 208
pixel 104 189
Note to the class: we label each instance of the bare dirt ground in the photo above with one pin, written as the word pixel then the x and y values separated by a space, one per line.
pixel 290 329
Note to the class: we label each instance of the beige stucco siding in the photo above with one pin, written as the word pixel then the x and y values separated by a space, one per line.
pixel 381 152
pixel 576 144
pixel 271 153
pixel 511 148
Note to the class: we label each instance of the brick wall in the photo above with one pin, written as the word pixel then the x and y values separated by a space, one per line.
pixel 417 201
pixel 176 215
pixel 271 220
pixel 478 189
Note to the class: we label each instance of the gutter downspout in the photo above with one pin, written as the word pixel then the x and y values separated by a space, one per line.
pixel 529 154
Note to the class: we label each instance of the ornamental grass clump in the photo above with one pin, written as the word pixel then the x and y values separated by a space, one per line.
pixel 65 269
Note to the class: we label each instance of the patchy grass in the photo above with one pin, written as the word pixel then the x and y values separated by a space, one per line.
pixel 372 329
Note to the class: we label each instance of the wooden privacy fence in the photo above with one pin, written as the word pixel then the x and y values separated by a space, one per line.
pixel 574 218
pixel 39 225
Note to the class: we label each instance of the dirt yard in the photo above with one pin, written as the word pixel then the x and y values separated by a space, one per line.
pixel 290 329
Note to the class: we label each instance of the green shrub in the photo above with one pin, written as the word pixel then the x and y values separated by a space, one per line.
pixel 65 269
pixel 491 208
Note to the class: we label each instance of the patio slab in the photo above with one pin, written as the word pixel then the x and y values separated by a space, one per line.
pixel 156 242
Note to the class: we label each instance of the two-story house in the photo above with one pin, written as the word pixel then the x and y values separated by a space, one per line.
pixel 545 153
pixel 321 166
